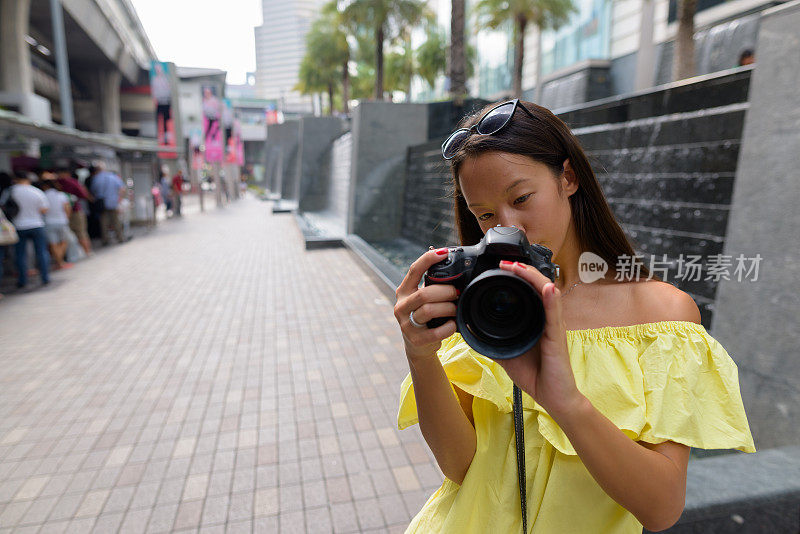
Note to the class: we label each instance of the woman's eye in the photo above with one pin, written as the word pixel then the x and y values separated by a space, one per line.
pixel 485 217
pixel 522 199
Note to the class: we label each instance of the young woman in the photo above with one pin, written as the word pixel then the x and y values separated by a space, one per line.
pixel 623 381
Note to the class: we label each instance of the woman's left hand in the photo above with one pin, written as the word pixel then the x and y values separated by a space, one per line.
pixel 545 372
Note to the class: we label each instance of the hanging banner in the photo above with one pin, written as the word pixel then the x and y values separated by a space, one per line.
pixel 234 141
pixel 212 129
pixel 161 90
pixel 230 136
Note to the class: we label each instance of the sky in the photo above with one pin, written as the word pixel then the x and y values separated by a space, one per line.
pixel 203 33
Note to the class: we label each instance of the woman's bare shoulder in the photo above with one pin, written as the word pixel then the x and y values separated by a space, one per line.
pixel 657 301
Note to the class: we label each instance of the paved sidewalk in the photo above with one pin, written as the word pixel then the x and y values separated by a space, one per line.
pixel 210 375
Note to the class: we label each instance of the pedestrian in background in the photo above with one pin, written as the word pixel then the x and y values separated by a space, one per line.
pixel 80 205
pixel 166 194
pixel 177 192
pixel 56 220
pixel 95 205
pixel 106 186
pixel 29 222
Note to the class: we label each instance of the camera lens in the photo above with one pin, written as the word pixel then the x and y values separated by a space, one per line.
pixel 500 315
pixel 494 310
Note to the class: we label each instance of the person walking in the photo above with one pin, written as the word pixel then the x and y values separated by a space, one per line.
pixel 29 222
pixel 106 186
pixel 177 193
pixel 166 194
pixel 56 220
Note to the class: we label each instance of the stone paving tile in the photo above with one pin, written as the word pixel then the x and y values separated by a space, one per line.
pixel 213 376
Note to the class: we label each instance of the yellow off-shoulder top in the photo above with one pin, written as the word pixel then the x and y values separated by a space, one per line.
pixel 658 381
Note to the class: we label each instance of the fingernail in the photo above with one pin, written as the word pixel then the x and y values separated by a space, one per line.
pixel 553 289
pixel 458 292
pixel 504 262
pixel 442 251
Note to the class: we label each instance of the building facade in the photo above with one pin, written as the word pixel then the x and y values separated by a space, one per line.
pixel 608 47
pixel 280 47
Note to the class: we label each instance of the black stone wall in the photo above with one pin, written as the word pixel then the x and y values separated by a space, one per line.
pixel 666 161
pixel 428 206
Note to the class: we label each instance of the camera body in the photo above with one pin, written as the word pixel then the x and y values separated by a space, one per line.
pixel 499 314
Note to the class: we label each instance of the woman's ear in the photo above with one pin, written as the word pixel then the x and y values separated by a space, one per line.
pixel 569 181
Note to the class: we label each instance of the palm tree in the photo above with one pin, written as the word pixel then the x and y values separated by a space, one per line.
pixel 326 53
pixel 683 57
pixel 387 19
pixel 363 81
pixel 431 59
pixel 309 80
pixel 432 56
pixel 400 70
pixel 458 60
pixel 544 14
pixel 335 18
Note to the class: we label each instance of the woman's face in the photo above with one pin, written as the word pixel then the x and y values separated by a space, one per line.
pixel 514 190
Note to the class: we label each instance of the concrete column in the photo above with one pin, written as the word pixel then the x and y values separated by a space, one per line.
pixel 15 60
pixel 645 57
pixel 62 65
pixel 757 320
pixel 109 81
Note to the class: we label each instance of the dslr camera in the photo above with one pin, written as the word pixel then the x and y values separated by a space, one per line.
pixel 499 314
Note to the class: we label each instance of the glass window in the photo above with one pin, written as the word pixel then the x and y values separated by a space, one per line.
pixel 586 36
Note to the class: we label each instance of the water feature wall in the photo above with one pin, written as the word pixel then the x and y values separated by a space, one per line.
pixel 339 185
pixel 717 48
pixel 282 149
pixel 382 133
pixel 669 176
pixel 666 159
pixel 329 216
pixel 428 205
pixel 315 137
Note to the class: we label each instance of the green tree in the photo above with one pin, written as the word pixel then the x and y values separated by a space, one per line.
pixel 326 54
pixel 432 56
pixel 334 17
pixel 544 14
pixel 431 59
pixel 387 19
pixel 400 69
pixel 363 82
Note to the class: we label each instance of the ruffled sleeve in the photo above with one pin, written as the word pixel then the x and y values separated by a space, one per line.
pixel 472 372
pixel 657 382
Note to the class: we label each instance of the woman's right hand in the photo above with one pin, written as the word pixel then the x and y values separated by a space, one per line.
pixel 427 303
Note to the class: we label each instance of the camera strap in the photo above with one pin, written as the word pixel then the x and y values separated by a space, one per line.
pixel 519 437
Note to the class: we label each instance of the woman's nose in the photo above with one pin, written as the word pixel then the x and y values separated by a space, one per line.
pixel 509 220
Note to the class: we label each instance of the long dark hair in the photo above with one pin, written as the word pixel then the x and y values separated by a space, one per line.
pixel 546 139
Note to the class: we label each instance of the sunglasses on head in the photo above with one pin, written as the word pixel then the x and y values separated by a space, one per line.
pixel 492 122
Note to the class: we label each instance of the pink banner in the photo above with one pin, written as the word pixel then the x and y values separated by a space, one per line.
pixel 212 130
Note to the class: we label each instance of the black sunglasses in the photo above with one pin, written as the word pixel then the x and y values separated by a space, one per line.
pixel 492 122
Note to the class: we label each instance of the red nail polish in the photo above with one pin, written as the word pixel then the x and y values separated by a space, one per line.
pixel 442 251
pixel 458 292
pixel 504 262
